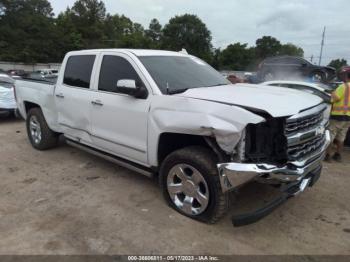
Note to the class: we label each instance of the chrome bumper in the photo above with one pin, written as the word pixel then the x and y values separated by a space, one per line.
pixel 233 175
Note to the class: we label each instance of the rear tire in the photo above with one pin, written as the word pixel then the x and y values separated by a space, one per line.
pixel 40 135
pixel 199 184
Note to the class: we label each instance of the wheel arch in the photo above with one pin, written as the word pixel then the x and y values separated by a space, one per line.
pixel 48 114
pixel 170 142
pixel 29 105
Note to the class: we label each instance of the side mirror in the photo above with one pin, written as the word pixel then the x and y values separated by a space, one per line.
pixel 304 64
pixel 129 87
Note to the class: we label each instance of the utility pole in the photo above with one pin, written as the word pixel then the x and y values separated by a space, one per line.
pixel 322 44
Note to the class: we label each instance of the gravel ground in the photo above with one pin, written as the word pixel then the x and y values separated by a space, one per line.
pixel 65 201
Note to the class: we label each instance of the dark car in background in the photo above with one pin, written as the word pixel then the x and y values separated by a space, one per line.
pixel 16 73
pixel 319 89
pixel 291 67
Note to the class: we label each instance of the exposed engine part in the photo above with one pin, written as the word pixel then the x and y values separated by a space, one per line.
pixel 265 142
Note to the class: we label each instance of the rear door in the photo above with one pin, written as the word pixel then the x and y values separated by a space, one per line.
pixel 119 121
pixel 73 97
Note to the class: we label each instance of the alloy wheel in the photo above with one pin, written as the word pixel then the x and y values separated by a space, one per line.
pixel 35 129
pixel 188 189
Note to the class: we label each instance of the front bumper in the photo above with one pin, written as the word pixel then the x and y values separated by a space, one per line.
pixel 287 191
pixel 233 175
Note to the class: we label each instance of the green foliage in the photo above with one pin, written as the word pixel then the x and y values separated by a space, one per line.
pixel 338 63
pixel 117 31
pixel 154 33
pixel 292 50
pixel 237 56
pixel 189 32
pixel 29 32
pixel 241 57
pixel 85 21
pixel 267 46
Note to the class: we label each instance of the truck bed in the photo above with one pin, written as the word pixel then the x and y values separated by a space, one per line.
pixel 38 92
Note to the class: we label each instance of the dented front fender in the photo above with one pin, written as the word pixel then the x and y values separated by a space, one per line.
pixel 182 115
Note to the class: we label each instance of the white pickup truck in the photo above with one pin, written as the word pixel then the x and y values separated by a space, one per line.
pixel 171 115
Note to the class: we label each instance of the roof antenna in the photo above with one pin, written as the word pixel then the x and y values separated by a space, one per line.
pixel 183 51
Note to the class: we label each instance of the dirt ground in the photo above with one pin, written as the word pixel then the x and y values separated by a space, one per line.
pixel 65 201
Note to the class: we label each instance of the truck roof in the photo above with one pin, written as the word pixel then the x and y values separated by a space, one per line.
pixel 137 52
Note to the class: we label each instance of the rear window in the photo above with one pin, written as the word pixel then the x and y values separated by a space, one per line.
pixel 78 71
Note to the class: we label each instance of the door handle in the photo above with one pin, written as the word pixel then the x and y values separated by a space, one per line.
pixel 97 103
pixel 60 95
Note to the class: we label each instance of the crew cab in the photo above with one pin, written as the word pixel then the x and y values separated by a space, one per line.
pixel 170 115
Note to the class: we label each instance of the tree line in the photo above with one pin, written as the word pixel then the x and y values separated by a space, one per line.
pixel 31 33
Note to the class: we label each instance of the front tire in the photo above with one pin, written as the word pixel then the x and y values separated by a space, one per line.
pixel 40 135
pixel 190 184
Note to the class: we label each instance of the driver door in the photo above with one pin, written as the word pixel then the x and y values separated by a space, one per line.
pixel 119 121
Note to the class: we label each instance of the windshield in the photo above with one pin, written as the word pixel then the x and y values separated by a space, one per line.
pixel 174 74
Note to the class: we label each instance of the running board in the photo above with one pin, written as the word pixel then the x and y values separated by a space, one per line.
pixel 114 159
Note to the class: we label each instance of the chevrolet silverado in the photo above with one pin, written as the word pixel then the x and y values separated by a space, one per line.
pixel 170 115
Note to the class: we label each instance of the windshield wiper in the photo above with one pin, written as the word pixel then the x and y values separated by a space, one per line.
pixel 181 90
pixel 177 91
pixel 221 84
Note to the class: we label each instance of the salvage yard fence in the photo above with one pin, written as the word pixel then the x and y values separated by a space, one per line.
pixel 28 67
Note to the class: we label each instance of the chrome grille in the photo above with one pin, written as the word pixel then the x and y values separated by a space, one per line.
pixel 302 124
pixel 305 149
pixel 305 133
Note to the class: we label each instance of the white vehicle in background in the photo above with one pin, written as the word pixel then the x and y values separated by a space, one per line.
pixel 48 72
pixel 49 75
pixel 8 104
pixel 172 116
pixel 321 90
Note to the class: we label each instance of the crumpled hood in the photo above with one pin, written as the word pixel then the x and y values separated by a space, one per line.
pixel 276 101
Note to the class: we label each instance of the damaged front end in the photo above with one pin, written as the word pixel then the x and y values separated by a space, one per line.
pixel 284 151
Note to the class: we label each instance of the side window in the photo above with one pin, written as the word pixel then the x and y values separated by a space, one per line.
pixel 115 68
pixel 78 71
pixel 294 61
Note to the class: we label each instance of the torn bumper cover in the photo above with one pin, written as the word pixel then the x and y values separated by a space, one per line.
pixel 294 177
pixel 288 190
pixel 233 175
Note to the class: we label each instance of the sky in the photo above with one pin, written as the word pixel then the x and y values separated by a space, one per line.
pixel 299 22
